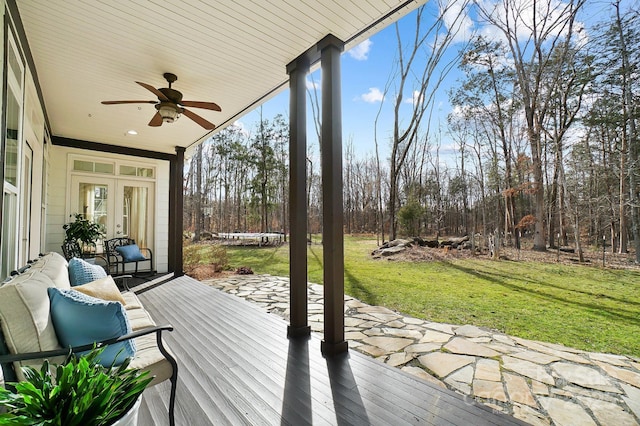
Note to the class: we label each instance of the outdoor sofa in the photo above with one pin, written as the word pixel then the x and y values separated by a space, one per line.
pixel 28 334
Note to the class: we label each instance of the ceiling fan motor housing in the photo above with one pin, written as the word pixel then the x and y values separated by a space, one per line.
pixel 169 111
pixel 171 94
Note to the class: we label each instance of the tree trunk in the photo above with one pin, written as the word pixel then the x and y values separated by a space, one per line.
pixel 198 194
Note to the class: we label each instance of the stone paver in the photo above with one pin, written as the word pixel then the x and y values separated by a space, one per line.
pixel 442 364
pixel 488 369
pixel 528 369
pixel 460 345
pixel 566 413
pixel 586 377
pixel 518 390
pixel 540 383
pixel 608 413
pixel 489 390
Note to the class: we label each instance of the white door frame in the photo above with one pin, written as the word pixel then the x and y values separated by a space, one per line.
pixel 115 202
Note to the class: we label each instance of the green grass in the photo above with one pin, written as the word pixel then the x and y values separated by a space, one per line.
pixel 584 307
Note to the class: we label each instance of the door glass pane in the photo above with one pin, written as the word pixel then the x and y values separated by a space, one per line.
pixel 26 203
pixel 92 203
pixel 9 224
pixel 134 214
pixel 14 64
pixel 11 132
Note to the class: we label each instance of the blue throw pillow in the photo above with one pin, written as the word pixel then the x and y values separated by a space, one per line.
pixel 82 272
pixel 80 319
pixel 130 253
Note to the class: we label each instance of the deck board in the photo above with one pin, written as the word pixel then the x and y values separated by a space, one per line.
pixel 237 367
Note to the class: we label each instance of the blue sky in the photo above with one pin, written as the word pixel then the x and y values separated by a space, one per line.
pixel 365 71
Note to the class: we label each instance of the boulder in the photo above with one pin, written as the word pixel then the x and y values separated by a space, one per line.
pixel 392 250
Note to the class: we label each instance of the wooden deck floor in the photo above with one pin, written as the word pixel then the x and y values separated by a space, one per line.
pixel 237 367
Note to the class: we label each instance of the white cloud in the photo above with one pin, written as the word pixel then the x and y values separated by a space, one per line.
pixel 372 96
pixel 414 99
pixel 361 51
pixel 455 14
pixel 241 128
pixel 312 84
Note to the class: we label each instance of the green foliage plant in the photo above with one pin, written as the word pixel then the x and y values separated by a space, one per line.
pixel 82 230
pixel 409 217
pixel 82 392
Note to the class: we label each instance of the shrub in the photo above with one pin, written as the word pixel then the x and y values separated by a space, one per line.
pixel 196 255
pixel 409 217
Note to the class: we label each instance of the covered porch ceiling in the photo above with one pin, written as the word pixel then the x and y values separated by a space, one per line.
pixel 231 52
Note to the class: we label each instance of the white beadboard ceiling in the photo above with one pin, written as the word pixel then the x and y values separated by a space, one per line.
pixel 232 52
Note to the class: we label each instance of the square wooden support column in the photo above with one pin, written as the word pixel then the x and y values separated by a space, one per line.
pixel 334 342
pixel 298 325
pixel 176 203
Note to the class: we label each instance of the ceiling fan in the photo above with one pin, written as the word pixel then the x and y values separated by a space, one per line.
pixel 170 105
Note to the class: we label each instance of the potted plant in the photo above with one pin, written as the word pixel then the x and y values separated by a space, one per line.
pixel 78 392
pixel 84 231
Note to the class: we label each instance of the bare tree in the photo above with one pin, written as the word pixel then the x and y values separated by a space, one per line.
pixel 629 135
pixel 534 32
pixel 420 67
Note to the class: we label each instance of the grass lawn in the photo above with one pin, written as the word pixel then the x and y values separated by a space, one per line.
pixel 584 307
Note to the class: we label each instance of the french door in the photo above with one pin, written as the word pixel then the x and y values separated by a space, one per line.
pixel 124 208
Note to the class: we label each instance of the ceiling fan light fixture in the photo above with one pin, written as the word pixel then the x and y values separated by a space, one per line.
pixel 170 105
pixel 169 113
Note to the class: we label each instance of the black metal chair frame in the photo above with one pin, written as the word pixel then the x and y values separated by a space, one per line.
pixel 114 260
pixel 71 249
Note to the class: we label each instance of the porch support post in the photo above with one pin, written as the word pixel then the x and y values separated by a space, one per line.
pixel 334 343
pixel 176 203
pixel 297 71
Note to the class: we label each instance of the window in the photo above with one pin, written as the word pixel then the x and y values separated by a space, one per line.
pixel 147 172
pixel 11 134
pixel 93 167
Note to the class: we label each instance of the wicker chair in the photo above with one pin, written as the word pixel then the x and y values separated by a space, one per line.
pixel 116 262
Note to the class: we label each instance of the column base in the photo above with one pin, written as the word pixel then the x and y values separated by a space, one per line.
pixel 332 349
pixel 294 332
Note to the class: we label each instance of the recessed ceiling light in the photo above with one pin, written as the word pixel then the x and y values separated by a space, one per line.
pixel 132 132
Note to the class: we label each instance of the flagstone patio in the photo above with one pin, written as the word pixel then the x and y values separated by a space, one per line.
pixel 540 383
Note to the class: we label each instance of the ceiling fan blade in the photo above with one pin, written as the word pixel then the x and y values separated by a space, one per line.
pixel 155 91
pixel 206 105
pixel 128 102
pixel 201 121
pixel 156 121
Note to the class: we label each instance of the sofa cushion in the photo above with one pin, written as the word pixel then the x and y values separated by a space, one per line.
pixel 130 253
pixel 103 288
pixel 131 301
pixel 24 316
pixel 149 358
pixel 83 272
pixel 80 319
pixel 139 319
pixel 54 266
